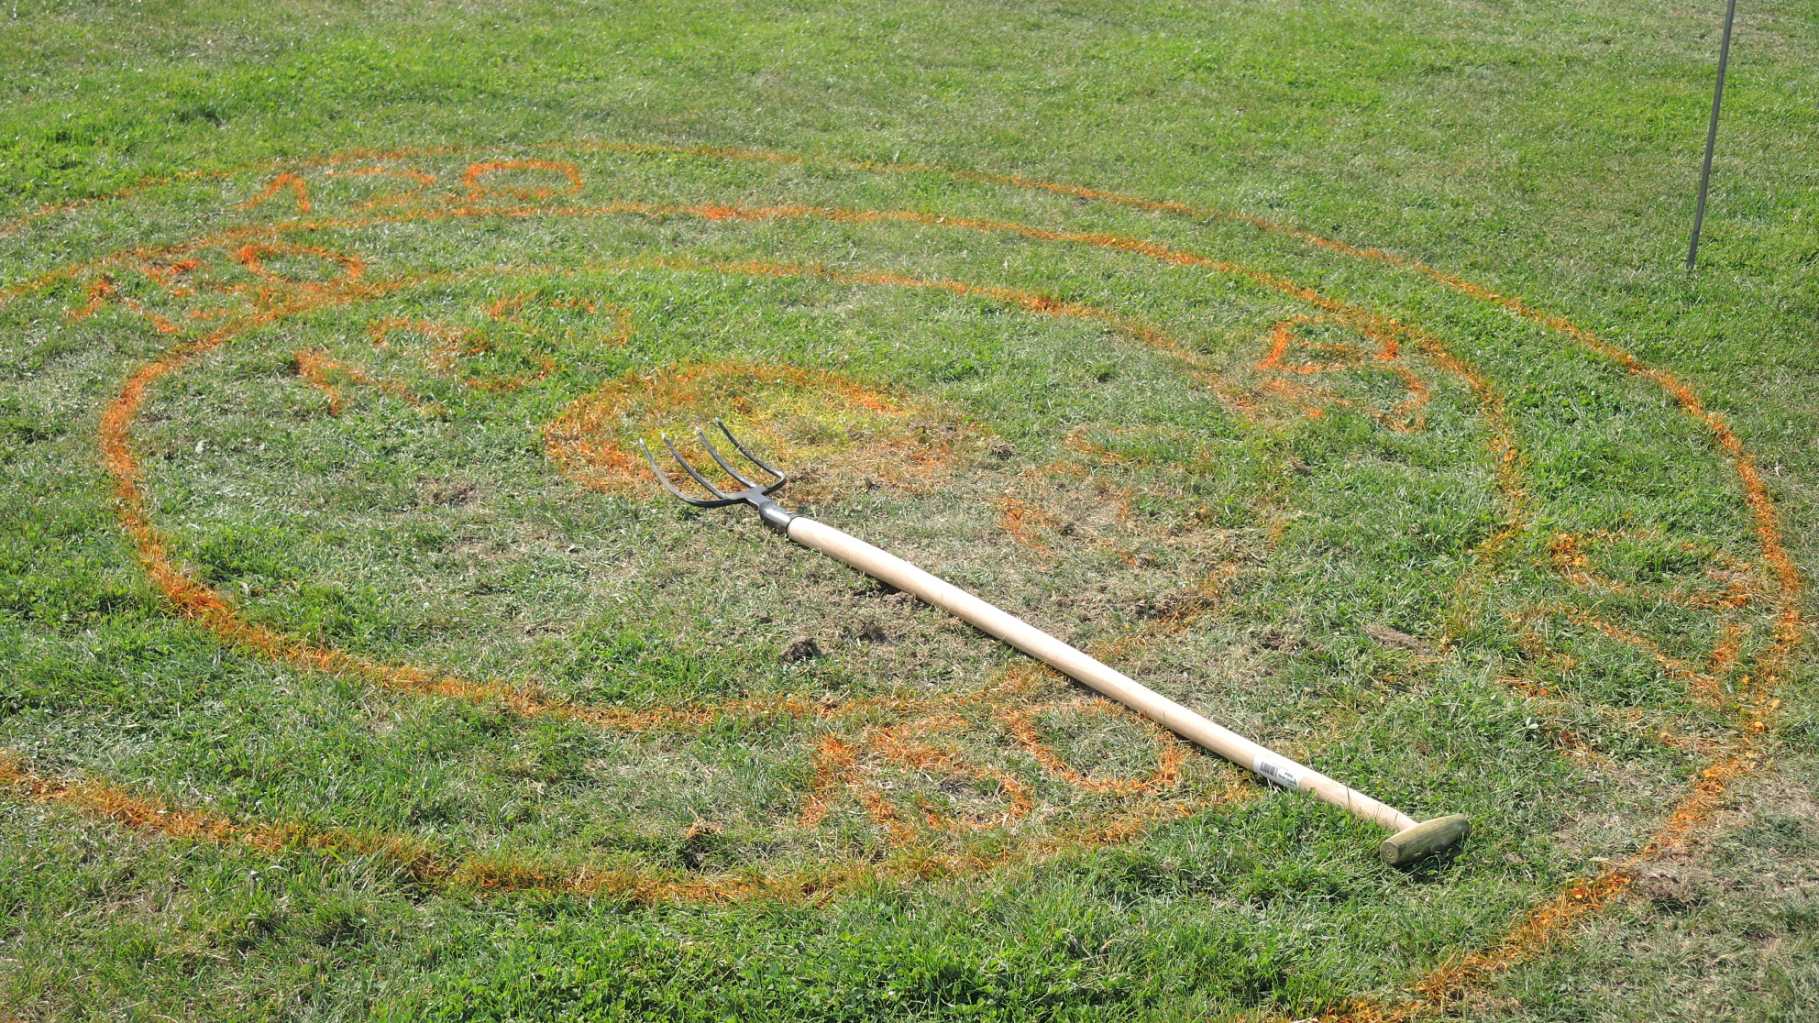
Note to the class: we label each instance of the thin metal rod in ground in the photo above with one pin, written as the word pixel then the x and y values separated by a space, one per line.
pixel 1711 135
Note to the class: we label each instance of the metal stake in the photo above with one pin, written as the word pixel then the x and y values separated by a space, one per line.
pixel 1711 135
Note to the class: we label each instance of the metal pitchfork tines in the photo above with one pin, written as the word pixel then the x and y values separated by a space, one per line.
pixel 756 493
pixel 1412 840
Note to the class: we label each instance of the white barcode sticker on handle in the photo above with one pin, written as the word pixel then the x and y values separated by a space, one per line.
pixel 1276 772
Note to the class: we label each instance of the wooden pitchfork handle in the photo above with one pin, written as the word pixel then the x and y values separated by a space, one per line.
pixel 1413 840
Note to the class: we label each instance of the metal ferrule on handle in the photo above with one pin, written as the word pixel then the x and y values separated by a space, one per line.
pixel 1078 664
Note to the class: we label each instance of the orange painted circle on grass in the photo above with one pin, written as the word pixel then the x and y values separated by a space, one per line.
pixel 258 257
pixel 531 181
pixel 1024 722
pixel 847 432
pixel 589 441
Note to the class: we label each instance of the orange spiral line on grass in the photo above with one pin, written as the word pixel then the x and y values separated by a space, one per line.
pixel 200 602
pixel 1449 985
pixel 495 874
pixel 197 600
pixel 1501 439
pixel 1407 416
pixel 299 190
pixel 475 172
pixel 1020 721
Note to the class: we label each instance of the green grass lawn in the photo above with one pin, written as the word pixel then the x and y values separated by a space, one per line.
pixel 1329 367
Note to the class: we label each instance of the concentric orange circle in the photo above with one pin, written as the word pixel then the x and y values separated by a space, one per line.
pixel 590 440
pixel 849 433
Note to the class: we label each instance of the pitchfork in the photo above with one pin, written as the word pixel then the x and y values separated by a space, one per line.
pixel 1411 841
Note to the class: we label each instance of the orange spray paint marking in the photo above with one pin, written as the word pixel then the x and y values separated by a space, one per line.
pixel 412 174
pixel 318 369
pixel 1405 417
pixel 166 275
pixel 1016 517
pixel 833 763
pixel 214 611
pixel 210 608
pixel 1449 985
pixel 507 311
pixel 1535 930
pixel 1703 687
pixel 420 180
pixel 454 343
pixel 253 255
pixel 475 173
pixel 1789 626
pixel 1021 722
pixel 297 186
pixel 1570 560
pixel 498 875
pixel 1502 441
pixel 586 440
pixel 98 294
pixel 894 744
pixel 103 290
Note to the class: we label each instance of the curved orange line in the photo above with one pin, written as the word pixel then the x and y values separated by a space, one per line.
pixel 1534 930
